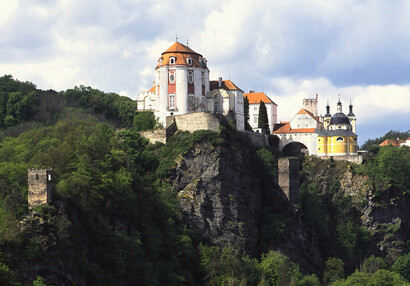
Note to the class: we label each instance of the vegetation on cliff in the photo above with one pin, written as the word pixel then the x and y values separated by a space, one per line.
pixel 116 218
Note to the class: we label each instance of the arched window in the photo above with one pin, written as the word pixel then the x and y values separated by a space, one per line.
pixel 172 60
pixel 339 139
pixel 37 178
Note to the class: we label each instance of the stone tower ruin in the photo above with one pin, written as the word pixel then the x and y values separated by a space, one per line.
pixel 288 178
pixel 40 183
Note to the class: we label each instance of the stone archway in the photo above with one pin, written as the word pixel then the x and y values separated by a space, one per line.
pixel 295 149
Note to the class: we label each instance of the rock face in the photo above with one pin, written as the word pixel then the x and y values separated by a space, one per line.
pixel 386 216
pixel 215 190
pixel 222 197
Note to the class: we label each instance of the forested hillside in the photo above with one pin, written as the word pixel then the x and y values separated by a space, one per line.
pixel 117 216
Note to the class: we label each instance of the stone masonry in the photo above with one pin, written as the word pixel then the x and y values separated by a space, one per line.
pixel 288 178
pixel 40 184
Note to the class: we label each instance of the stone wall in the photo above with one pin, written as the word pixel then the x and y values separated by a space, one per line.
pixel 258 140
pixel 195 121
pixel 156 135
pixel 288 178
pixel 40 184
pixel 358 159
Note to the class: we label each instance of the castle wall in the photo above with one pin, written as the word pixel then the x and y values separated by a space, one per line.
pixel 195 121
pixel 40 184
pixel 156 135
pixel 258 140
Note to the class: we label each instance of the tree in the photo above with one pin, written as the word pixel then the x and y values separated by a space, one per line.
pixel 246 113
pixel 334 270
pixel 263 121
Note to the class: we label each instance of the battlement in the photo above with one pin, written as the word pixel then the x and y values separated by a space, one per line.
pixel 40 184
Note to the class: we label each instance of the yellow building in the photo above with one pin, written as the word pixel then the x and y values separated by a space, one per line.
pixel 338 136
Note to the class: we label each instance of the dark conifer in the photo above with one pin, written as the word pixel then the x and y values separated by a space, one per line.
pixel 263 121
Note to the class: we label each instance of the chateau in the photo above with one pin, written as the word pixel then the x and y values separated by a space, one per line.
pixel 182 86
pixel 182 92
pixel 324 136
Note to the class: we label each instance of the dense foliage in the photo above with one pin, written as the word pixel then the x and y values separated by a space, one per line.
pixel 370 144
pixel 115 220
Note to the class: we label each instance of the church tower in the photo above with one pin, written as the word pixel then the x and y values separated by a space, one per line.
pixel 181 82
pixel 352 117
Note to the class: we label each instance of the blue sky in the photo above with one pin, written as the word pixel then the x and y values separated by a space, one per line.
pixel 288 49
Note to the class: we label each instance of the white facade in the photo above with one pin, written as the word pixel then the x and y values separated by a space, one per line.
pixel 254 102
pixel 302 128
pixel 182 86
pixel 227 99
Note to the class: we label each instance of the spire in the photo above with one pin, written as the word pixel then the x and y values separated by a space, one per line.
pixel 339 106
pixel 351 109
pixel 328 109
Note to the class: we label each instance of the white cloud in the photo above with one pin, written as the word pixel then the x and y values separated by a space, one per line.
pixel 290 49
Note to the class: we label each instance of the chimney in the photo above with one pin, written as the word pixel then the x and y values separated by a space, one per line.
pixel 251 91
pixel 220 82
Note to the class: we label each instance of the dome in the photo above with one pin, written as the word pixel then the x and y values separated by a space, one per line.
pixel 339 118
pixel 179 54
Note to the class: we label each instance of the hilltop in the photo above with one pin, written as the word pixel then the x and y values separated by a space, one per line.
pixel 202 209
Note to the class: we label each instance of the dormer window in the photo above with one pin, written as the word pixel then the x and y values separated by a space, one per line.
pixel 172 60
pixel 189 61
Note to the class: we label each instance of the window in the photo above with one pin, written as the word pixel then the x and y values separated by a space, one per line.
pixel 255 119
pixel 171 78
pixel 319 141
pixel 172 101
pixel 339 139
pixel 355 139
pixel 37 178
pixel 189 61
pixel 49 177
pixel 255 108
pixel 190 77
pixel 203 78
pixel 339 127
pixel 172 60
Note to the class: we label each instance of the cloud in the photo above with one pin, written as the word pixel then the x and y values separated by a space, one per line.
pixel 290 49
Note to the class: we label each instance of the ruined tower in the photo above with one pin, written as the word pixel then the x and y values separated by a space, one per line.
pixel 288 178
pixel 40 183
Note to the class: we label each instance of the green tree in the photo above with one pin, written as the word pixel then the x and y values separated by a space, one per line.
pixel 246 113
pixel 334 270
pixel 402 266
pixel 263 121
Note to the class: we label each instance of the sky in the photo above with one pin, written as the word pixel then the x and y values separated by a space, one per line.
pixel 288 49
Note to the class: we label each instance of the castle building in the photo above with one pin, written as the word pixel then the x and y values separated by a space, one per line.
pixel 328 135
pixel 40 184
pixel 338 136
pixel 182 86
pixel 271 109
pixel 226 98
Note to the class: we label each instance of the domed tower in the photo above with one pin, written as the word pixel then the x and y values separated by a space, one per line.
pixel 352 117
pixel 181 80
pixel 326 117
pixel 339 120
pixel 338 138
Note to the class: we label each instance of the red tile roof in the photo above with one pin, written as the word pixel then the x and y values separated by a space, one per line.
pixel 180 52
pixel 392 142
pixel 304 111
pixel 285 128
pixel 257 97
pixel 226 84
pixel 152 90
pixel 303 130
